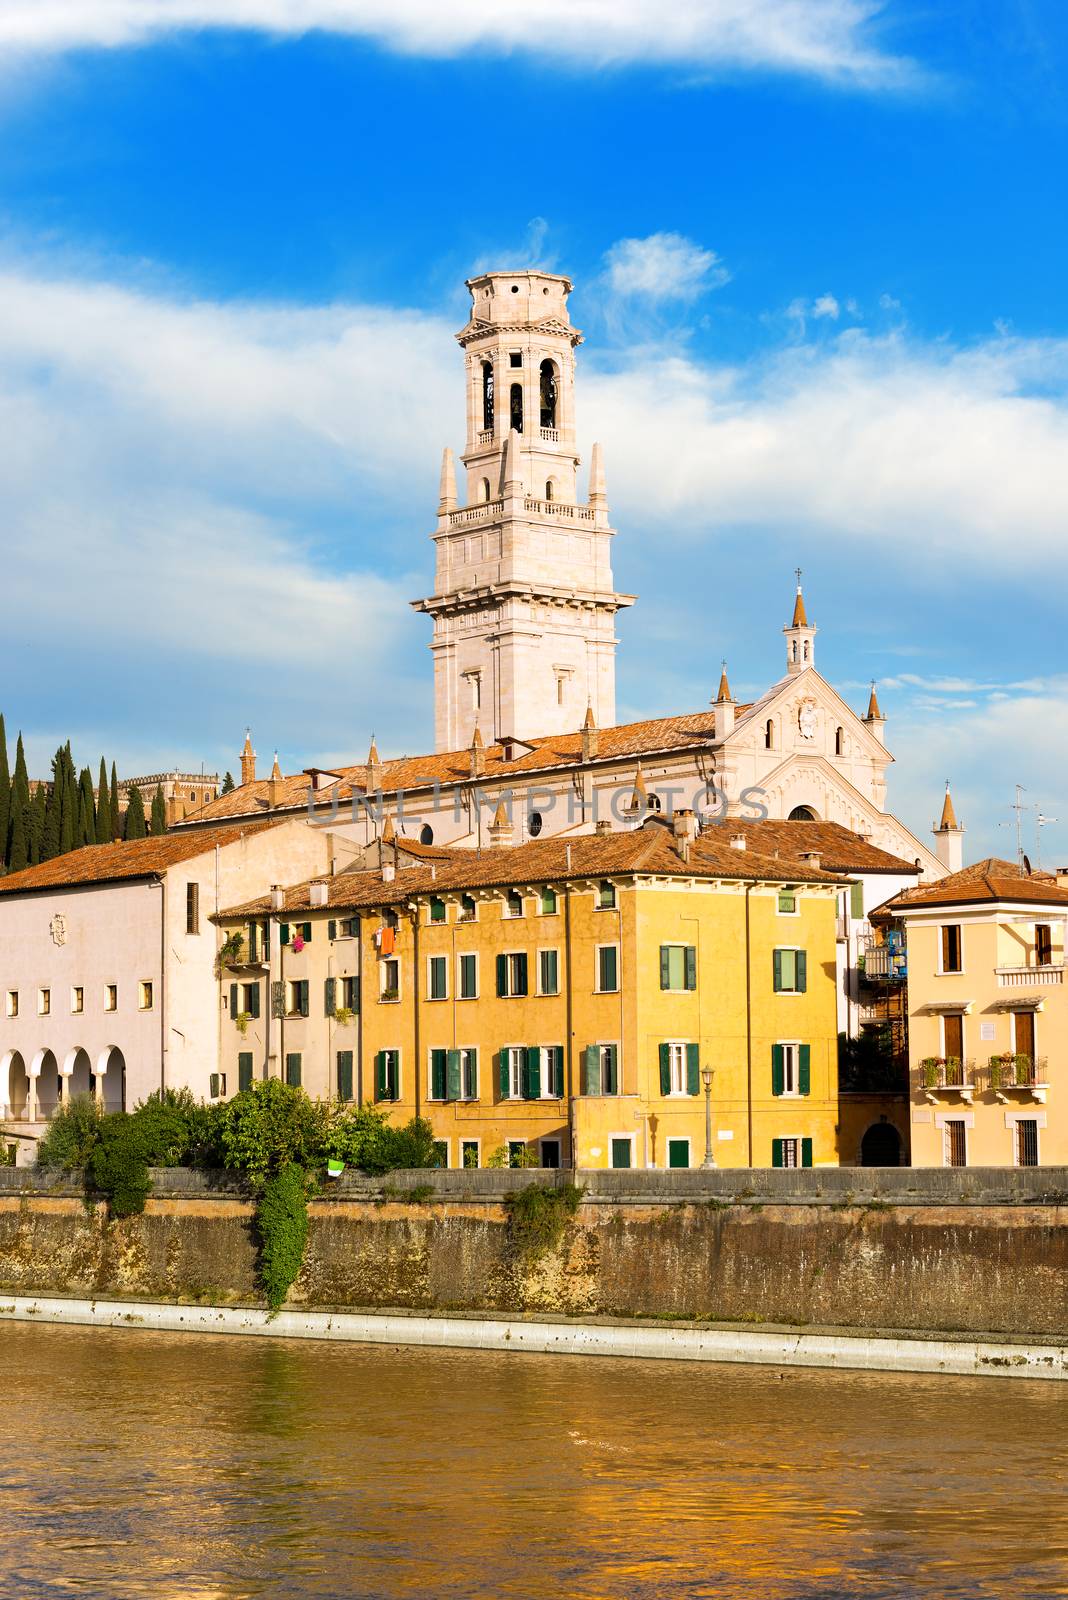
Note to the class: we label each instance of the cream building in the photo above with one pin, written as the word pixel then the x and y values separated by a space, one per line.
pixel 107 962
pixel 987 1016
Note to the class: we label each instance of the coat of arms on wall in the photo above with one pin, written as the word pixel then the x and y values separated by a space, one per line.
pixel 806 718
pixel 58 929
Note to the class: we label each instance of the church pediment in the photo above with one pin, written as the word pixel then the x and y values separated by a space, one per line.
pixel 806 714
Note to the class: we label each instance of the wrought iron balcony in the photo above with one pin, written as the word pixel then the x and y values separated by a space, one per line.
pixel 1012 1071
pixel 947 1075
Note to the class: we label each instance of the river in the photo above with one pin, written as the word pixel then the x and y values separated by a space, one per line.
pixel 215 1468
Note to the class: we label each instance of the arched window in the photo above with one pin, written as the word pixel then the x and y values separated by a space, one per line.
pixel 515 409
pixel 549 488
pixel 769 735
pixel 802 814
pixel 535 823
pixel 839 742
pixel 806 649
pixel 794 643
pixel 655 804
pixel 487 395
pixel 548 394
pixel 426 834
pixel 484 489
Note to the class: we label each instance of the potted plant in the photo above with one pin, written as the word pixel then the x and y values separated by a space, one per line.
pixel 242 1021
pixel 343 1016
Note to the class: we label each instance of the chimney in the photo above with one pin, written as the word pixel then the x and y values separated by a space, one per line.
pixel 278 897
pixel 374 768
pixel 811 858
pixel 501 831
pixel 738 841
pixel 684 828
pixel 318 893
pixel 590 735
pixel 389 871
pixel 1062 877
pixel 603 826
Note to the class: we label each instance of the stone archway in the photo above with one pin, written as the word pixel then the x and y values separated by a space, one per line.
pixel 881 1146
pixel 803 814
pixel 14 1085
pixel 111 1078
pixel 78 1071
pixel 49 1084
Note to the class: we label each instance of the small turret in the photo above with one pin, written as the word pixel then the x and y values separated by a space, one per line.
pixel 874 720
pixel 501 831
pixel 274 790
pixel 949 836
pixel 478 753
pixel 248 759
pixel 800 636
pixel 374 768
pixel 724 706
pixel 590 735
pixel 638 804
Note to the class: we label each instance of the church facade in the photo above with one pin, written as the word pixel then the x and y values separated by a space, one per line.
pixel 523 642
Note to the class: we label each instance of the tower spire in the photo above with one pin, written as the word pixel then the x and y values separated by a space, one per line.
pixel 800 636
pixel 949 836
pixel 248 759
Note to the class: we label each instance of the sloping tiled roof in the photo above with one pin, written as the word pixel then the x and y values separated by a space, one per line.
pixel 629 740
pixel 647 851
pixel 984 882
pixel 839 849
pixel 136 858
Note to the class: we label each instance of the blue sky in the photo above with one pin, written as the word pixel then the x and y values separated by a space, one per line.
pixel 819 249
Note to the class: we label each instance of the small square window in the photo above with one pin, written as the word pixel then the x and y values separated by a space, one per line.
pixel 469 1154
pixel 438 985
pixel 389 975
pixel 951 948
pixel 606 897
pixel 607 968
pixel 144 996
pixel 111 997
pixel 787 903
pixel 513 905
pixel 192 908
pixel 44 1002
pixel 467 908
pixel 515 358
pixel 12 1002
pixel 548 972
pixel 547 904
pixel 437 911
pixel 468 976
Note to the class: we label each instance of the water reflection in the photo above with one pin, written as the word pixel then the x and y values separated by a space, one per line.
pixel 224 1469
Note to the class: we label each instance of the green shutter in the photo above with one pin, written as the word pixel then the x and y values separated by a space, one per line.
pixel 691 966
pixel 331 929
pixel 283 933
pixel 591 1070
pixel 244 1071
pixel 665 1069
pixel 806 1152
pixel 502 1072
pixel 777 970
pixel 381 1078
pixel 521 973
pixel 293 1070
pixel 802 972
pixel 452 1075
pixel 303 991
pixel 438 1065
pixel 253 999
pixel 330 996
pixel 344 1074
pixel 306 932
pixel 665 966
pixel 233 1000
pixel 213 1085
pixel 693 1069
pixel 804 1071
pixel 611 1073
pixel 856 901
pixel 778 1072
pixel 532 1086
pixel 556 1060
pixel 776 1152
pixel 278 999
pixel 502 975
pixel 355 994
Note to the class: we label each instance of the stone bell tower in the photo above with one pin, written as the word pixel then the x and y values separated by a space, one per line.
pixel 524 604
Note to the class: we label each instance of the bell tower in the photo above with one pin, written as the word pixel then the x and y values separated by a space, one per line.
pixel 524 604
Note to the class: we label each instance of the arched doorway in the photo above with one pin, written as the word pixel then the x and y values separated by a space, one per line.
pixel 802 814
pixel 111 1077
pixel 14 1085
pixel 78 1070
pixel 881 1146
pixel 46 1070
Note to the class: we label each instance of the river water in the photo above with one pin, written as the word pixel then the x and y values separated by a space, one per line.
pixel 218 1468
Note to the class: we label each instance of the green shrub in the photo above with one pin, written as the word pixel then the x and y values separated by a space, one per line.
pixel 539 1214
pixel 362 1138
pixel 71 1135
pixel 118 1163
pixel 272 1125
pixel 282 1229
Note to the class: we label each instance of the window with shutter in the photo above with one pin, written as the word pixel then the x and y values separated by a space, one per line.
pixel 293 1066
pixel 438 1074
pixel 469 977
pixel 591 1069
pixel 532 1073
pixel 504 1072
pixel 607 968
pixel 554 1070
pixel 665 1069
pixel 778 1069
pixel 502 976
pixel 453 1085
pixel 548 972
pixel 344 1074
pixel 438 978
pixel 278 999
pixel 331 929
pixel 283 933
pixel 330 996
pixel 693 1069
pixel 678 966
pixel 304 988
pixel 244 1071
pixel 252 999
pixel 306 932
pixel 806 1152
pixel 469 1065
pixel 234 1007
pixel 856 901
pixel 213 1086
pixel 804 1069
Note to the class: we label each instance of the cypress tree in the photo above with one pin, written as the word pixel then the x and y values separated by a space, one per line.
pixel 87 820
pixel 104 832
pixel 50 837
pixel 33 824
pixel 227 784
pixel 159 811
pixel 5 793
pixel 70 806
pixel 135 814
pixel 116 814
pixel 20 787
pixel 19 855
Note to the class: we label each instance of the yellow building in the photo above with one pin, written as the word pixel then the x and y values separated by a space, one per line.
pixel 556 1001
pixel 988 1017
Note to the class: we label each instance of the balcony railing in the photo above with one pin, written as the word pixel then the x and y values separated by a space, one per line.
pixel 1028 977
pixel 1011 1071
pixel 549 435
pixel 880 964
pixel 485 436
pixel 947 1074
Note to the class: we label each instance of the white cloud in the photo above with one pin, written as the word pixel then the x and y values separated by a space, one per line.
pixel 826 306
pixel 835 40
pixel 664 266
pixel 944 452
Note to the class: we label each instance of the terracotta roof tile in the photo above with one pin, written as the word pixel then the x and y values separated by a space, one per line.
pixel 136 858
pixel 982 883
pixel 839 849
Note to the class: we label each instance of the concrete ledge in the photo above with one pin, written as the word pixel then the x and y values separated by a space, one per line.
pixel 781 1348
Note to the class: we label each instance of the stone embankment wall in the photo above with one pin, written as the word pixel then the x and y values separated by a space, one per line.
pixel 978 1251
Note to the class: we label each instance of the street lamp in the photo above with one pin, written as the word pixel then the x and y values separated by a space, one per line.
pixel 706 1076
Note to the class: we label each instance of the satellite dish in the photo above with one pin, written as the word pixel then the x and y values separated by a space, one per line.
pixel 1027 865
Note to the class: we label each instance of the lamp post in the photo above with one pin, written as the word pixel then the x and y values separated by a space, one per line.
pixel 706 1076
